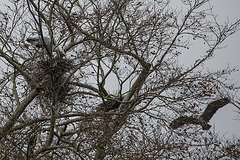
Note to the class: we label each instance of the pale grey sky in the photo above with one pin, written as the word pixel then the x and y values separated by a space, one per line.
pixel 225 119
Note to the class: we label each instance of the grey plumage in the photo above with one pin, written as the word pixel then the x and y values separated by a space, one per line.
pixel 212 108
pixel 37 41
pixel 204 118
pixel 180 121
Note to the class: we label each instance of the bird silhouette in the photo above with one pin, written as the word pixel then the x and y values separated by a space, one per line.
pixel 204 118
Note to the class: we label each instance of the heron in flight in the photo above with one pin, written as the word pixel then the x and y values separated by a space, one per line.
pixel 204 118
pixel 37 42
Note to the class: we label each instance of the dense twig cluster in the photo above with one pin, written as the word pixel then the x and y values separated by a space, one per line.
pixel 58 85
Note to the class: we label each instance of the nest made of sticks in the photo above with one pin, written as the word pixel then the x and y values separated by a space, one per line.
pixel 57 68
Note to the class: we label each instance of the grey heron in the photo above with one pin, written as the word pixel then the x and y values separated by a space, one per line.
pixel 204 118
pixel 37 41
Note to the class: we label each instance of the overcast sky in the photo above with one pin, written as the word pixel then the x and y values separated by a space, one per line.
pixel 225 119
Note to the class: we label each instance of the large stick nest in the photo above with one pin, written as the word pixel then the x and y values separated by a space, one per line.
pixel 57 68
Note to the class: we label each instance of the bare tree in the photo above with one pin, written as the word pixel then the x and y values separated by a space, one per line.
pixel 121 84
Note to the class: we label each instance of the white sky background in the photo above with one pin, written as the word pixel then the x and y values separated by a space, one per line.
pixel 224 121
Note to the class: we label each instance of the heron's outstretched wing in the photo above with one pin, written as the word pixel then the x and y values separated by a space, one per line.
pixel 213 107
pixel 180 121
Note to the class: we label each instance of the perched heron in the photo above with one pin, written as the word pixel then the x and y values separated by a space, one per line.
pixel 204 118
pixel 61 51
pixel 37 41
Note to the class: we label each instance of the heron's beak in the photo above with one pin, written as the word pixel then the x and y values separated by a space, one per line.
pixel 62 51
pixel 26 45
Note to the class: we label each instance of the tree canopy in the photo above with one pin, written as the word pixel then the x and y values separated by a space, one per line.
pixel 121 84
